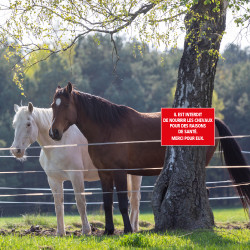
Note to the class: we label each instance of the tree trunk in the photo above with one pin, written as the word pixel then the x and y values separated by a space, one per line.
pixel 180 198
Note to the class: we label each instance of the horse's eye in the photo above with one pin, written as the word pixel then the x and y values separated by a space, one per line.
pixel 28 124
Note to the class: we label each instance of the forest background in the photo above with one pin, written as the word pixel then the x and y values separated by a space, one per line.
pixel 140 76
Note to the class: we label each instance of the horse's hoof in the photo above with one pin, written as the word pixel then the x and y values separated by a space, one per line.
pixel 128 231
pixel 109 231
pixel 86 231
pixel 60 234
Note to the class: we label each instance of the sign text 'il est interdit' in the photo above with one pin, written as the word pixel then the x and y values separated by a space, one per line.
pixel 187 127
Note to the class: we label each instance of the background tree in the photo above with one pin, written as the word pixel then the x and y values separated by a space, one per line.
pixel 55 21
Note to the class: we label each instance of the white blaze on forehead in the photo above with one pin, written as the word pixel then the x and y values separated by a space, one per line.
pixel 58 101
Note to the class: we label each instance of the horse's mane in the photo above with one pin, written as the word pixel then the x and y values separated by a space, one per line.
pixel 44 116
pixel 41 115
pixel 101 110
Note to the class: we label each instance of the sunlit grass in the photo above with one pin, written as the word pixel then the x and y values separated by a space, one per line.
pixel 230 215
pixel 235 215
pixel 218 238
pixel 202 239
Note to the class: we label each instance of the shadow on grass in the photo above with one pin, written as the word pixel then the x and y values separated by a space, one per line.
pixel 199 239
pixel 220 238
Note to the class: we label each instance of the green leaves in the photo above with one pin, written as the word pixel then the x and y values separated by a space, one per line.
pixel 58 24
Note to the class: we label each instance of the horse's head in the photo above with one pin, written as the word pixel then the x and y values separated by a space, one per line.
pixel 64 112
pixel 26 130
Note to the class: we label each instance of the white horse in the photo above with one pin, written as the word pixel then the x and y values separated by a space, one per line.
pixel 32 124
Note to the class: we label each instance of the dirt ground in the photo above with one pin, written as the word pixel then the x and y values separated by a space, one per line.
pixel 97 230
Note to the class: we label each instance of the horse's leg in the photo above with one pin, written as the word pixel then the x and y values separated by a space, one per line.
pixel 57 191
pixel 120 178
pixel 107 188
pixel 134 184
pixel 78 186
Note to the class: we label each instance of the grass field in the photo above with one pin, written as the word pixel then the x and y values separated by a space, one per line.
pixel 230 232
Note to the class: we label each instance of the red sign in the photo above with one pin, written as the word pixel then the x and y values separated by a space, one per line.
pixel 187 127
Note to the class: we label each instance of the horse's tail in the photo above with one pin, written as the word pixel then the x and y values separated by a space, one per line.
pixel 234 157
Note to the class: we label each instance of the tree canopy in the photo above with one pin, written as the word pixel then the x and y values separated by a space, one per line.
pixel 54 26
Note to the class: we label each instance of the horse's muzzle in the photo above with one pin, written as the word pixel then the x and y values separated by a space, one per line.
pixel 55 135
pixel 17 152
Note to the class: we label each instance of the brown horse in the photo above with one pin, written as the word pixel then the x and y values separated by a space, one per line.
pixel 102 121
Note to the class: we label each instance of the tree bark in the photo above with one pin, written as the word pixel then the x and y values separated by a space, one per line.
pixel 180 198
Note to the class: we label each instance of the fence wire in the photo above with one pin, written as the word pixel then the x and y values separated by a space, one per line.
pixel 97 189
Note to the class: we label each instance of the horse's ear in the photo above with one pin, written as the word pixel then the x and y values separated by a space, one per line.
pixel 69 87
pixel 30 107
pixel 16 107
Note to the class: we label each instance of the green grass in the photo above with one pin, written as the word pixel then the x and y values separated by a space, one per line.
pixel 73 221
pixel 230 215
pixel 219 238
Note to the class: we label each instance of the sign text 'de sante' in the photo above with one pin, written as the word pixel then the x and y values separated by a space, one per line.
pixel 187 126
